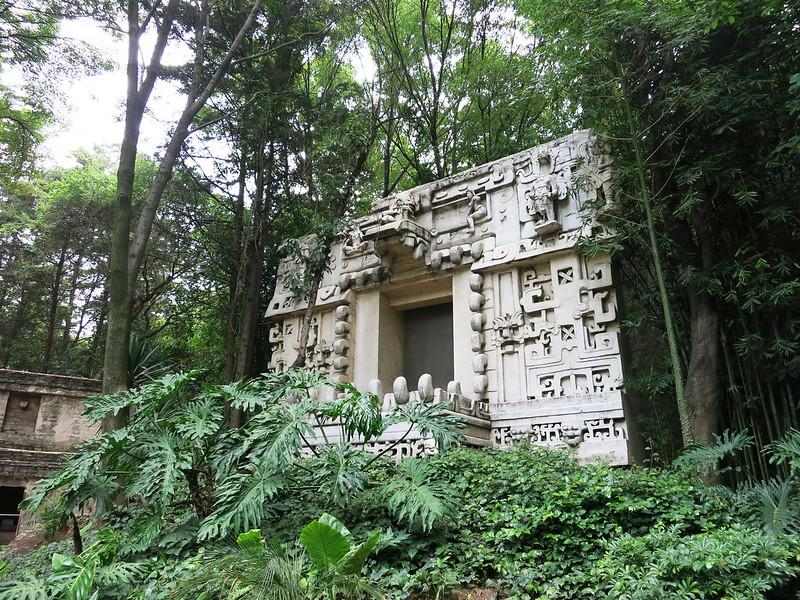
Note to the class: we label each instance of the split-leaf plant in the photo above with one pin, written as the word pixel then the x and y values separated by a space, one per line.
pixel 177 465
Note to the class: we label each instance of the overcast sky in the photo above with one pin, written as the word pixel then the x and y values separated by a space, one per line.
pixel 89 114
pixel 91 109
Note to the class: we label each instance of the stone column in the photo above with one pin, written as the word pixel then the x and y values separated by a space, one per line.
pixel 365 337
pixel 462 333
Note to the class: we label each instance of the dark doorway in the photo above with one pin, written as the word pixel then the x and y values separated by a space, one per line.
pixel 10 498
pixel 428 344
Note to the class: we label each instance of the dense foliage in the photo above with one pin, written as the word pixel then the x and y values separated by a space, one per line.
pixel 529 522
pixel 299 113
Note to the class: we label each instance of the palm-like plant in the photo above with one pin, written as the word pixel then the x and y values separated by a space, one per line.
pixel 775 501
pixel 326 564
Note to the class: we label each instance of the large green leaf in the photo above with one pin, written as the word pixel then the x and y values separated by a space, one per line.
pixel 251 542
pixel 332 521
pixel 324 544
pixel 353 561
pixel 81 587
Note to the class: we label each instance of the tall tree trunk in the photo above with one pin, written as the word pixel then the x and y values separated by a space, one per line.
pixel 236 287
pixel 73 284
pixel 702 379
pixel 52 313
pixel 115 361
pixel 16 327
pixel 251 305
pixel 89 368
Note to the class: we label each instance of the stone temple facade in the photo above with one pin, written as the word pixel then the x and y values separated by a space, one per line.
pixel 477 280
pixel 41 421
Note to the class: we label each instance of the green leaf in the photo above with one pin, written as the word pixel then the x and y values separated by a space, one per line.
pixel 324 544
pixel 332 521
pixel 81 586
pixel 415 497
pixel 61 563
pixel 251 542
pixel 353 561
pixel 29 589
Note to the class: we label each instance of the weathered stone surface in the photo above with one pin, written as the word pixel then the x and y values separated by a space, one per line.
pixel 41 419
pixel 535 326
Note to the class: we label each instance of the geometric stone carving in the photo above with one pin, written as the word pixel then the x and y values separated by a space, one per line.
pixel 536 326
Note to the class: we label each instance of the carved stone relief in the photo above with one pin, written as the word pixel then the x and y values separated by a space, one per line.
pixel 542 359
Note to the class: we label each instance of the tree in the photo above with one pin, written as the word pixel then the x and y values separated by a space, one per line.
pixel 461 86
pixel 126 255
pixel 675 88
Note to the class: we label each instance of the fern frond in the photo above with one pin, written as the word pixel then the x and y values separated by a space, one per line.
pixel 413 496
pixel 341 469
pixel 119 574
pixel 96 408
pixel 28 589
pixel 294 385
pixel 159 475
pixel 434 420
pixel 277 434
pixel 240 502
pixel 243 395
pixel 706 459
pixel 201 419
pixel 780 508
pixel 359 413
pixel 786 451
pixel 74 474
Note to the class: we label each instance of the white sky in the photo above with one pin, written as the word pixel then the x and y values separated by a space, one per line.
pixel 90 111
pixel 92 107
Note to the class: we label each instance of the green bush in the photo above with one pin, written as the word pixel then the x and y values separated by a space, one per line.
pixel 734 563
pixel 534 523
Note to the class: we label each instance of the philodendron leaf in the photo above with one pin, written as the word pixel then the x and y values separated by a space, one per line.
pixel 336 524
pixel 81 586
pixel 353 561
pixel 62 562
pixel 251 542
pixel 324 545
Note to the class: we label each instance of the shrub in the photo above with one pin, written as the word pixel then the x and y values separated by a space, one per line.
pixel 534 523
pixel 735 563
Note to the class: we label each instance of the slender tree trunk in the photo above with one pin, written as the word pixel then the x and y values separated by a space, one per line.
pixel 702 380
pixel 55 294
pixel 387 152
pixel 236 283
pixel 73 284
pixel 666 305
pixel 77 540
pixel 193 106
pixel 89 369
pixel 16 327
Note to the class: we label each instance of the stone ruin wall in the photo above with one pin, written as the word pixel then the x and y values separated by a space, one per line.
pixel 41 419
pixel 536 329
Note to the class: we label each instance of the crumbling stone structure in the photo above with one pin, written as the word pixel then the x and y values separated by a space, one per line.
pixel 477 281
pixel 41 419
